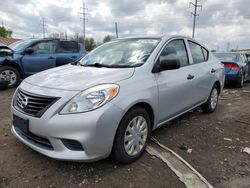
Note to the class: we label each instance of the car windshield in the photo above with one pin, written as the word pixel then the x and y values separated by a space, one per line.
pixel 19 45
pixel 121 53
pixel 227 56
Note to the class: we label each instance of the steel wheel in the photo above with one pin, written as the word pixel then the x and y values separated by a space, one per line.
pixel 135 135
pixel 8 75
pixel 214 98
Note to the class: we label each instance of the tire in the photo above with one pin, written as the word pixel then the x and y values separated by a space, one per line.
pixel 240 82
pixel 125 150
pixel 11 74
pixel 212 101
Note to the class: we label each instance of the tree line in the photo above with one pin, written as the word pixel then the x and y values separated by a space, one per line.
pixel 90 42
pixel 5 32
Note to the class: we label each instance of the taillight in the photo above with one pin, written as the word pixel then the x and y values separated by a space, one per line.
pixel 232 66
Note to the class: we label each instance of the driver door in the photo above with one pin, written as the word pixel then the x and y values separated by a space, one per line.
pixel 42 58
pixel 175 87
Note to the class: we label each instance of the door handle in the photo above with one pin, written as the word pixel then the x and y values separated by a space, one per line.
pixel 51 57
pixel 73 57
pixel 213 71
pixel 190 77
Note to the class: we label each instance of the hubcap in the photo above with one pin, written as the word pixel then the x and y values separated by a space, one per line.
pixel 135 135
pixel 214 98
pixel 8 75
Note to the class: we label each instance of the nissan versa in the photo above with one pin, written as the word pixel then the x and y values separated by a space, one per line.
pixel 109 102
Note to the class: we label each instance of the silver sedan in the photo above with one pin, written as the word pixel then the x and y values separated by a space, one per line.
pixel 110 101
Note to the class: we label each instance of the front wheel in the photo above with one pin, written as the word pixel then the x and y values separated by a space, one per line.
pixel 132 136
pixel 212 101
pixel 10 74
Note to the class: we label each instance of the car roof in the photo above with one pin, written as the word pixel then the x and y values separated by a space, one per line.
pixel 236 53
pixel 165 38
pixel 155 37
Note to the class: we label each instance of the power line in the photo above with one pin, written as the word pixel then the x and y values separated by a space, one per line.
pixel 83 18
pixel 194 14
pixel 44 26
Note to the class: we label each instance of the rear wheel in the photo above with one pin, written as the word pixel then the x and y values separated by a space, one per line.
pixel 240 82
pixel 132 136
pixel 212 101
pixel 10 74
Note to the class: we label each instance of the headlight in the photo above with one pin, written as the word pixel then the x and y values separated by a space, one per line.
pixel 91 99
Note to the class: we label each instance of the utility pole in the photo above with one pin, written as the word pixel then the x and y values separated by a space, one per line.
pixel 194 14
pixel 116 30
pixel 44 25
pixel 83 18
pixel 228 46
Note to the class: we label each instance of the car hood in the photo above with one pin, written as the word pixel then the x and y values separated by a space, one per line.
pixel 77 78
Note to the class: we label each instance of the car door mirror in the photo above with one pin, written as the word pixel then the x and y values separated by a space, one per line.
pixel 169 64
pixel 29 50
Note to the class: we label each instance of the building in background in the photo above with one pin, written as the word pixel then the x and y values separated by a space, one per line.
pixel 8 41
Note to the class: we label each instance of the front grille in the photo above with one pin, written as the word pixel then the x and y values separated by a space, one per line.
pixel 35 139
pixel 32 104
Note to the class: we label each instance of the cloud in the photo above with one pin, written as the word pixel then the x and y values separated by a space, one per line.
pixel 219 21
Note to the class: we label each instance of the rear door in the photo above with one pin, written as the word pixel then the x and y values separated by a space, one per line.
pixel 175 86
pixel 204 72
pixel 42 58
pixel 67 52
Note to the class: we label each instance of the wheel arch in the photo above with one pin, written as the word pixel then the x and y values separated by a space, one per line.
pixel 13 65
pixel 146 106
pixel 218 84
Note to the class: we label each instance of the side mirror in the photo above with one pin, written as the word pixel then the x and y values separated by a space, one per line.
pixel 29 50
pixel 169 64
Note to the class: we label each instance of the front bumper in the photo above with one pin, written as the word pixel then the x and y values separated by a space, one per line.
pixel 94 130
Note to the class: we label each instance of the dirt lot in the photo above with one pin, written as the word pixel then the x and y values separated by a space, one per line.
pixel 220 161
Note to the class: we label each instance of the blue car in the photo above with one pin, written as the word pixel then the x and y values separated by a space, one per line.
pixel 27 57
pixel 236 67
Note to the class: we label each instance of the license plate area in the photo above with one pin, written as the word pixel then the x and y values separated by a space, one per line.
pixel 21 124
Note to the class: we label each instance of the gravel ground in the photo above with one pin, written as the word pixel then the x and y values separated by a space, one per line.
pixel 216 141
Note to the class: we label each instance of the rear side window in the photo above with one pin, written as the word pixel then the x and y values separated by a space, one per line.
pixel 175 49
pixel 67 47
pixel 205 53
pixel 199 53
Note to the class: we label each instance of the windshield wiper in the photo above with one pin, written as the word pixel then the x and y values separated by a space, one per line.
pixel 96 65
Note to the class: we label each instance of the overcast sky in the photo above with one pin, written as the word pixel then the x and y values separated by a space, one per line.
pixel 220 21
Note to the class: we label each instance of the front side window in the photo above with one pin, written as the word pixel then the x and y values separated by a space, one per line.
pixel 121 53
pixel 67 47
pixel 46 47
pixel 175 50
pixel 197 52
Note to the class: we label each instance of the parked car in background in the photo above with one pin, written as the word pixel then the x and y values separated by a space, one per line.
pixel 248 59
pixel 236 67
pixel 27 57
pixel 98 106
